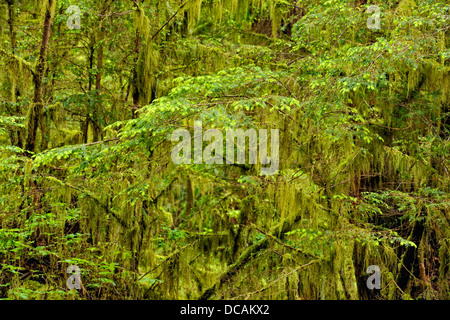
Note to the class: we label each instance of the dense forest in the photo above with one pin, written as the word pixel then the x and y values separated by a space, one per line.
pixel 345 104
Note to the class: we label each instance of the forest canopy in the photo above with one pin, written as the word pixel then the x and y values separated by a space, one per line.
pixel 347 100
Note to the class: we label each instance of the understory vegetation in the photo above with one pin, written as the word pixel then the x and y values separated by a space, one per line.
pixel 87 178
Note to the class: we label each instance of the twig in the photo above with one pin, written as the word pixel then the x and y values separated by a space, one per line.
pixel 97 142
pixel 285 275
pixel 167 259
pixel 86 192
pixel 281 242
pixel 173 16
pixel 337 174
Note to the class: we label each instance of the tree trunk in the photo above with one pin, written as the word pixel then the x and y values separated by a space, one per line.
pixel 11 23
pixel 35 112
pixel 250 252
pixel 134 81
pixel 135 84
pixel 98 79
pixel 16 134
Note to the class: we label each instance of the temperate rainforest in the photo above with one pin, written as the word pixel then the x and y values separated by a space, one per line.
pixel 224 150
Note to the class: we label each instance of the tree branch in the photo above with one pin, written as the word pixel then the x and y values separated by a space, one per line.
pixel 173 16
pixel 86 192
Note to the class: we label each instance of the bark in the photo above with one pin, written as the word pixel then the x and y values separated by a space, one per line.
pixel 88 117
pixel 135 84
pixel 190 197
pixel 134 81
pixel 409 257
pixel 98 78
pixel 248 254
pixel 233 269
pixel 11 23
pixel 16 134
pixel 422 269
pixel 35 111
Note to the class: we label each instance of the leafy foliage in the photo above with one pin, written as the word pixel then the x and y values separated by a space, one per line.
pixel 364 146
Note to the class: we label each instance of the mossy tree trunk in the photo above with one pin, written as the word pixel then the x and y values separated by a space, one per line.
pixel 35 111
